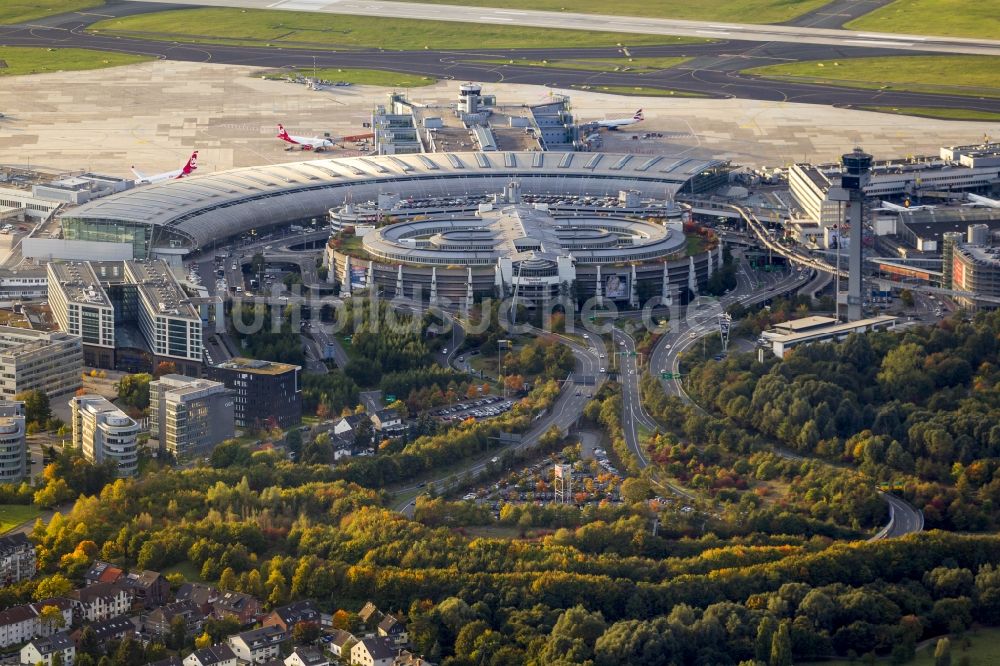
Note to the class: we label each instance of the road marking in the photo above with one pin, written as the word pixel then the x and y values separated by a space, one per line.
pixel 884 37
pixel 712 32
pixel 873 42
pixel 494 18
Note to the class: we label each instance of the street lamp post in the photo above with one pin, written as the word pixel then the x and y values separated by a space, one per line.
pixel 503 384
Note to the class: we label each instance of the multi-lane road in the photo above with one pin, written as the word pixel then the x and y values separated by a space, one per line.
pixel 688 332
pixel 715 68
pixel 563 414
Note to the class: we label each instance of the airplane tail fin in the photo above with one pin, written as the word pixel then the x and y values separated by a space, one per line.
pixel 191 165
pixel 282 133
pixel 638 115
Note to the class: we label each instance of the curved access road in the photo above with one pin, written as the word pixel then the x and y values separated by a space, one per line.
pixel 566 410
pixel 634 415
pixel 903 518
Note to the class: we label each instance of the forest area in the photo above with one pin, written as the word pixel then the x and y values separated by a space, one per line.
pixel 771 566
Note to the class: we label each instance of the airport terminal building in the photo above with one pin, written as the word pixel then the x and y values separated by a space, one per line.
pixel 201 212
pixel 509 247
pixel 956 168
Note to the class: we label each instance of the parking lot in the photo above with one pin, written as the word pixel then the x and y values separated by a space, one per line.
pixel 484 408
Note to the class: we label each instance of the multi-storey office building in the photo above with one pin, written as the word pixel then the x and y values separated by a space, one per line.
pixel 50 362
pixel 82 308
pixel 263 391
pixel 131 315
pixel 104 432
pixel 189 416
pixel 13 450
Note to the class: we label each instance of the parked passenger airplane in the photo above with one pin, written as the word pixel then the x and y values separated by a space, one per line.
pixel 985 202
pixel 621 122
pixel 185 170
pixel 316 143
pixel 896 208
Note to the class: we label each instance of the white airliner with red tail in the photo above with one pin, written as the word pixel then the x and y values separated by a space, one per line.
pixel 615 123
pixel 316 143
pixel 185 170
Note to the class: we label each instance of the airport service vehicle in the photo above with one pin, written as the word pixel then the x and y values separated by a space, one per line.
pixel 185 170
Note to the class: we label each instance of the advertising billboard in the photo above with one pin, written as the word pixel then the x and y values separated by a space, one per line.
pixel 958 274
pixel 616 287
pixel 359 277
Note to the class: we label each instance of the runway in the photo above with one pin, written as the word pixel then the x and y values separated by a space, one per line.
pixel 627 24
pixel 713 72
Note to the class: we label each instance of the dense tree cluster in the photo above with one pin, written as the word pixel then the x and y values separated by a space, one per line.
pixel 723 279
pixel 918 408
pixel 383 340
pixel 757 570
pixel 430 452
pixel 605 591
pixel 133 391
pixel 540 358
pixel 267 332
pixel 329 394
pixel 605 410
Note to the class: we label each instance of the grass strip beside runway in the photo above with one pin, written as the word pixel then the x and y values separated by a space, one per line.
pixel 633 65
pixel 951 18
pixel 261 27
pixel 362 77
pixel 967 75
pixel 31 60
pixel 638 91
pixel 943 114
pixel 21 11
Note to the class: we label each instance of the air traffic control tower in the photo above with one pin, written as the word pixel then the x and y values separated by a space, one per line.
pixel 856 173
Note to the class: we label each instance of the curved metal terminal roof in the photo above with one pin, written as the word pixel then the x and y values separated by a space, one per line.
pixel 210 207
